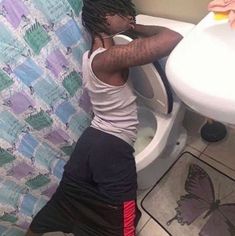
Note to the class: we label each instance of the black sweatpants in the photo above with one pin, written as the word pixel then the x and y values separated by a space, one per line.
pixel 97 194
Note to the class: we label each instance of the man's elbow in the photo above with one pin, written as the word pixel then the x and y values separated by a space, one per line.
pixel 174 36
pixel 179 37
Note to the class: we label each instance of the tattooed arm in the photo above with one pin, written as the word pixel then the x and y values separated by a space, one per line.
pixel 157 42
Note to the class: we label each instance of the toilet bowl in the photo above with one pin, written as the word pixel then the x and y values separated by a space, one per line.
pixel 161 136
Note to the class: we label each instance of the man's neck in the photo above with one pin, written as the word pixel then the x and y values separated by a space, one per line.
pixel 106 42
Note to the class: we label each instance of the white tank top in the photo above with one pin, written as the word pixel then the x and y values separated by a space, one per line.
pixel 114 107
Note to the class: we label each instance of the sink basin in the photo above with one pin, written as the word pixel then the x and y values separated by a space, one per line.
pixel 201 69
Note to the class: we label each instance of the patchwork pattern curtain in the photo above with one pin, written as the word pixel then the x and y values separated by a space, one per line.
pixel 43 108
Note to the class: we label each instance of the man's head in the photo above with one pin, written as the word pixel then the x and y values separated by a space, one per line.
pixel 107 16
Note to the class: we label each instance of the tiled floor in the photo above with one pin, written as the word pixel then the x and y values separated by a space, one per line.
pixel 220 154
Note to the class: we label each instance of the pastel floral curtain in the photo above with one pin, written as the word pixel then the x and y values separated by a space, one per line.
pixel 43 108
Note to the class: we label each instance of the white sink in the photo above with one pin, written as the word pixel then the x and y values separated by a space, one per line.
pixel 201 69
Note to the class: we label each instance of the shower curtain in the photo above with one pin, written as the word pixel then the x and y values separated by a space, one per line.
pixel 43 108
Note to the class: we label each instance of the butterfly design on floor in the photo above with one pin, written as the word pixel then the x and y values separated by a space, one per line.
pixel 200 200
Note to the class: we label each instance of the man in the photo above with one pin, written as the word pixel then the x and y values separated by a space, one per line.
pixel 97 194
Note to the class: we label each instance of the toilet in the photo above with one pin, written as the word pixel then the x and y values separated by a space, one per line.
pixel 161 136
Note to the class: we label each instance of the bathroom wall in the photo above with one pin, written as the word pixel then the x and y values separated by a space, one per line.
pixel 186 10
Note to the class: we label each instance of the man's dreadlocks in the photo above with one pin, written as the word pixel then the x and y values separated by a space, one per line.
pixel 94 11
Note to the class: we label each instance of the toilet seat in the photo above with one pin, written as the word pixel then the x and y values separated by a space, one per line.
pixel 150 83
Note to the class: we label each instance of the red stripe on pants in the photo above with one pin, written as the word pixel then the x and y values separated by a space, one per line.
pixel 129 218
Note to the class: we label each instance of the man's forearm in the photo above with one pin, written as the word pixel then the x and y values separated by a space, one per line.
pixel 147 30
pixel 139 31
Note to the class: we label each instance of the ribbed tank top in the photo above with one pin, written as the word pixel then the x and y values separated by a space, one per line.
pixel 114 107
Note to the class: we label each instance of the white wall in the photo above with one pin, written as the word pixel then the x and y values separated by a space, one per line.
pixel 186 10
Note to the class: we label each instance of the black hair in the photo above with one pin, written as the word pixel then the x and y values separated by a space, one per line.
pixel 94 11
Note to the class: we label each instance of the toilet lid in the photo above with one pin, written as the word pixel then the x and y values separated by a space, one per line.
pixel 150 83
